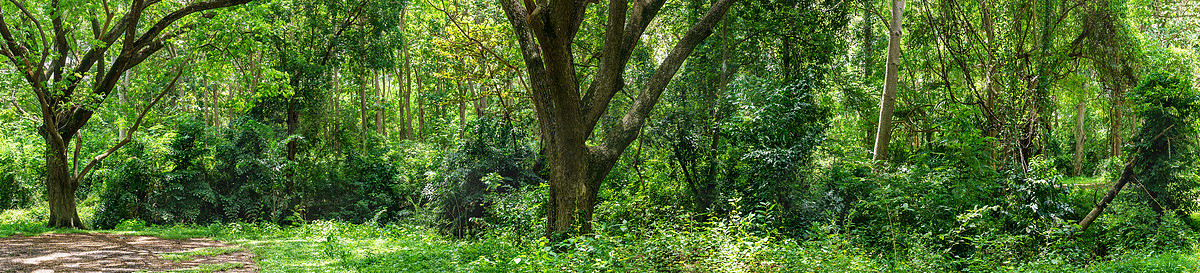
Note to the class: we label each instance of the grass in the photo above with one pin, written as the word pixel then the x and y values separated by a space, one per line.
pixel 331 246
pixel 191 254
pixel 1083 180
pixel 207 268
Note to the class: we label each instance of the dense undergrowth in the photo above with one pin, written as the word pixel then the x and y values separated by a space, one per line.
pixel 665 246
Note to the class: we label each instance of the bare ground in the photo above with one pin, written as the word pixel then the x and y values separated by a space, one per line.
pixel 100 252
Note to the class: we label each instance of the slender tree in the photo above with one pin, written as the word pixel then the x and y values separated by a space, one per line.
pixel 883 133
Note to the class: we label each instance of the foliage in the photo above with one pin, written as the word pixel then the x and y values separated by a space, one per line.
pixel 125 194
pixel 1166 137
pixel 386 135
pixel 492 159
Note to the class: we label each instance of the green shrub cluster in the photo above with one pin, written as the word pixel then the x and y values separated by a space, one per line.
pixel 241 174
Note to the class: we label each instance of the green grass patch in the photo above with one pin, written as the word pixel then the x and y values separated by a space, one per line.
pixel 207 268
pixel 331 246
pixel 191 254
pixel 1083 180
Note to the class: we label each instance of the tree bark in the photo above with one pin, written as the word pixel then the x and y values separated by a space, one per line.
pixel 462 110
pixel 380 92
pixel 566 119
pixel 1114 131
pixel 1126 176
pixel 406 80
pixel 362 104
pixel 1080 136
pixel 883 133
pixel 420 110
pixel 60 185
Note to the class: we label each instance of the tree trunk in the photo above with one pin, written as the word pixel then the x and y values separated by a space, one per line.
pixel 1126 176
pixel 883 134
pixel 1080 136
pixel 380 93
pixel 420 111
pixel 462 110
pixel 362 105
pixel 406 81
pixel 1114 131
pixel 566 119
pixel 61 186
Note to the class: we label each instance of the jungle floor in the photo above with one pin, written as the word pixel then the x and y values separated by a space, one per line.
pixel 101 252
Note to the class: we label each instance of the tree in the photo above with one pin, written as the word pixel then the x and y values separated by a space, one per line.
pixel 545 31
pixel 883 133
pixel 44 58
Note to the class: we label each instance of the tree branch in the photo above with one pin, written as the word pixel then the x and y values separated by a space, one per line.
pixel 609 79
pixel 60 42
pixel 132 129
pixel 458 26
pixel 539 90
pixel 1126 176
pixel 41 34
pixel 132 53
pixel 626 130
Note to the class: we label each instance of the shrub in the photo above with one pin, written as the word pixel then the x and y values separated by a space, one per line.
pixel 126 189
pixel 492 149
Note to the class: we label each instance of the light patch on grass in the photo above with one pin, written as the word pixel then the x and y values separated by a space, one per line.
pixel 211 268
pixel 207 268
pixel 191 254
pixel 1083 180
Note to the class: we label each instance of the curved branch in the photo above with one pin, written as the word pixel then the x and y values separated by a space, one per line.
pixel 132 129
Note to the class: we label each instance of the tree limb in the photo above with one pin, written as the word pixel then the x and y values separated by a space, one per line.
pixel 1126 176
pixel 625 131
pixel 132 129
pixel 609 79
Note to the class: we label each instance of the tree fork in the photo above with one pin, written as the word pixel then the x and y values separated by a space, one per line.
pixel 1126 176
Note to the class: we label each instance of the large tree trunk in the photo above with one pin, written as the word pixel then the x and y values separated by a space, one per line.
pixel 60 185
pixel 883 133
pixel 566 119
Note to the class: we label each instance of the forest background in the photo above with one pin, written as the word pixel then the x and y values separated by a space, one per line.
pixel 656 135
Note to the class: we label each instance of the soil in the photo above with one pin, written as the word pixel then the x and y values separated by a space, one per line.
pixel 100 252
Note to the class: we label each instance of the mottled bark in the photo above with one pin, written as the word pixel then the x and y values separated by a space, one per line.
pixel 566 119
pixel 883 133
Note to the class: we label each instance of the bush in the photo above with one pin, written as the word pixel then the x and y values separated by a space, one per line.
pixel 1165 104
pixel 492 149
pixel 8 180
pixel 126 189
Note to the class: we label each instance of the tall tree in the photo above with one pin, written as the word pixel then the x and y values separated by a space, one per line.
pixel 546 31
pixel 50 61
pixel 883 133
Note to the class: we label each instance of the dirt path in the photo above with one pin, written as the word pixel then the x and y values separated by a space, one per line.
pixel 100 252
